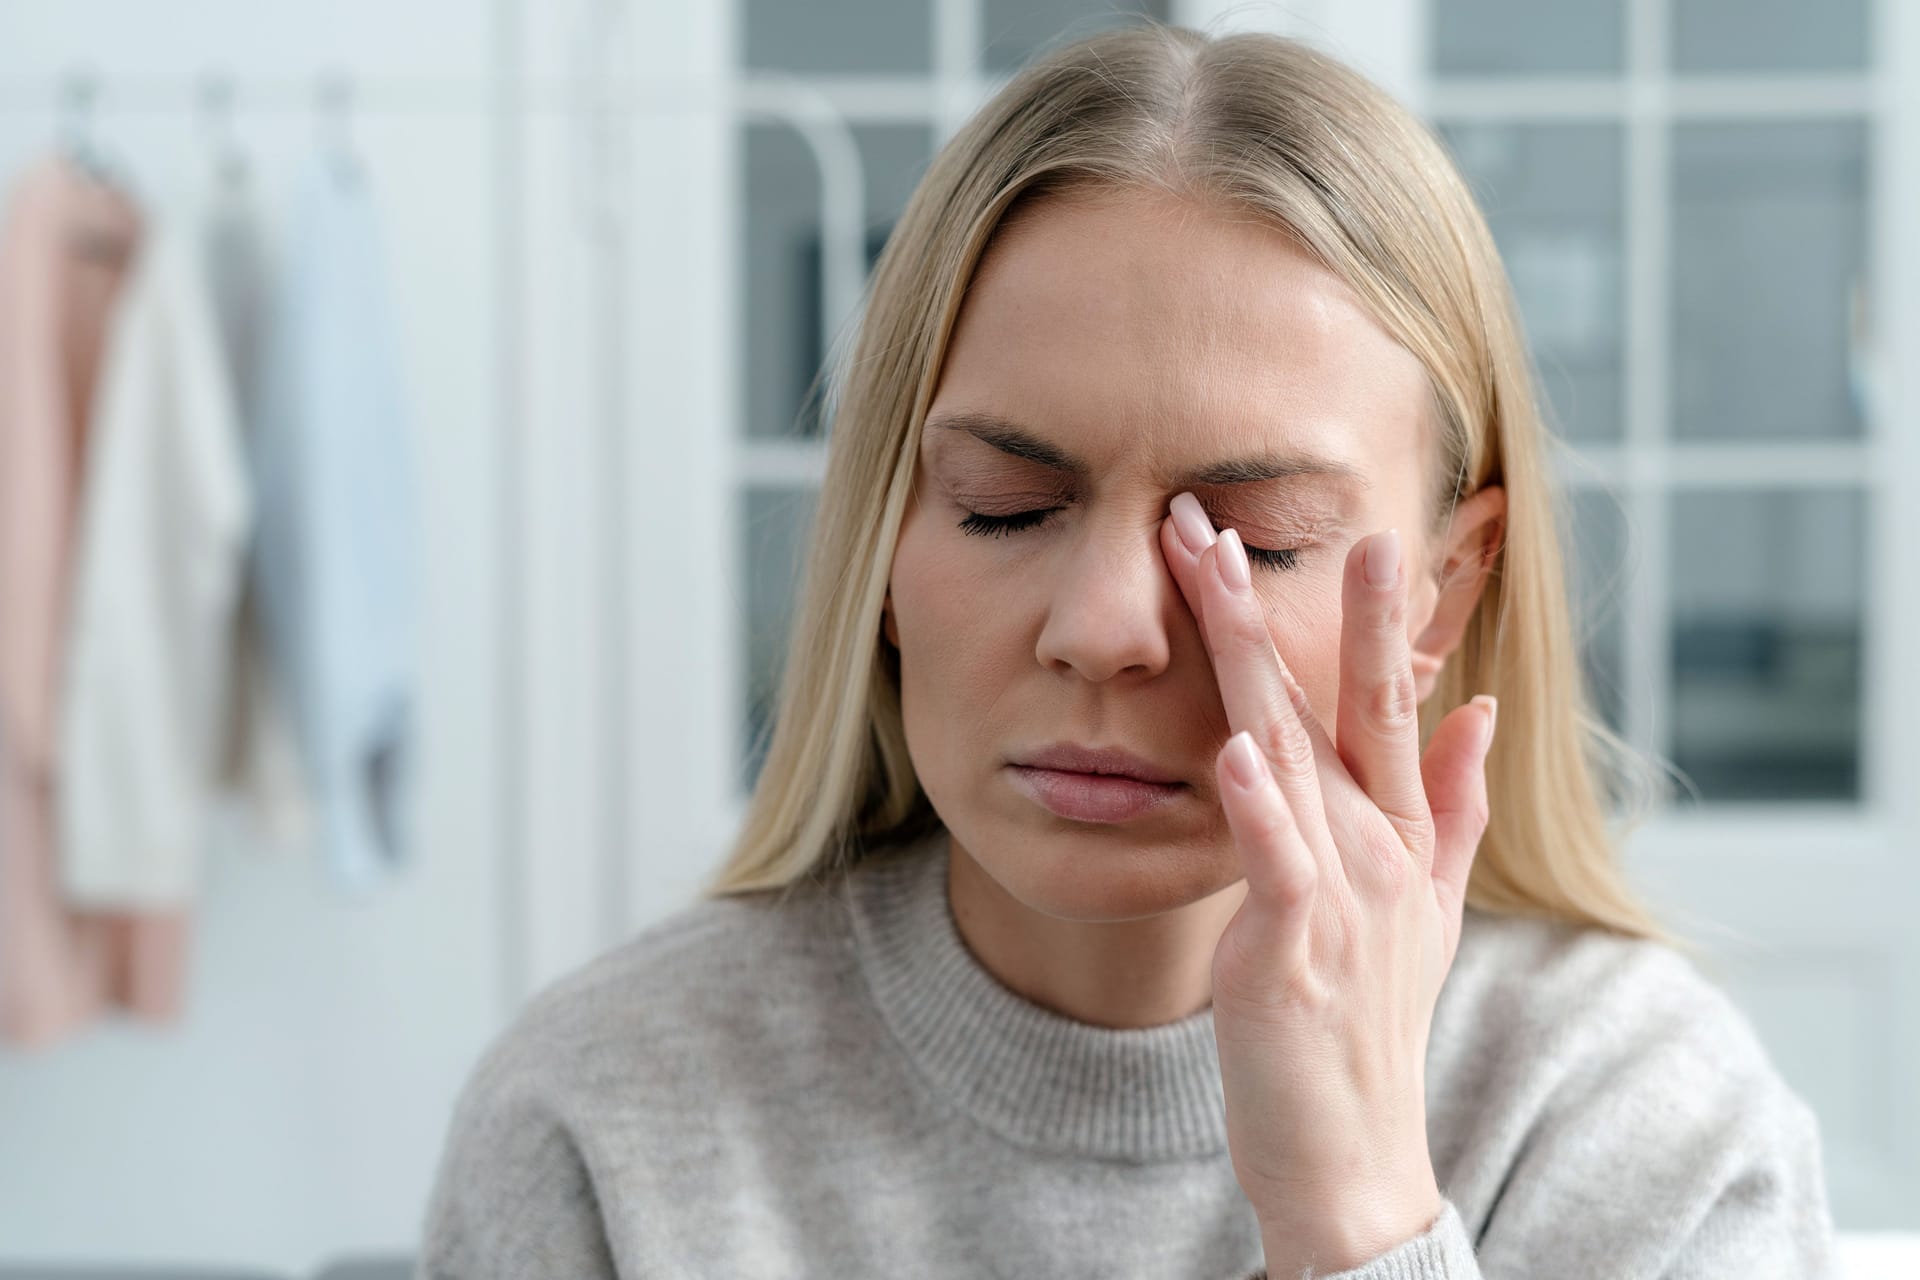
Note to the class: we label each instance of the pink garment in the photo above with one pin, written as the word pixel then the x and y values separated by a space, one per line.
pixel 65 246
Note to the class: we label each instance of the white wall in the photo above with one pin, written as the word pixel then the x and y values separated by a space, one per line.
pixel 298 1110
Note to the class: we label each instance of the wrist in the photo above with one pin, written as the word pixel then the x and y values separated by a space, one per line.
pixel 1356 1230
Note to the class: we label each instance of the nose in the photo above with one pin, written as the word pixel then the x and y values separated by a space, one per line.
pixel 1109 606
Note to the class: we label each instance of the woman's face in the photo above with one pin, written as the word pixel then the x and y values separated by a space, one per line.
pixel 1134 342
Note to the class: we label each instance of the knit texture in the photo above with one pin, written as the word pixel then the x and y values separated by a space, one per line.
pixel 824 1081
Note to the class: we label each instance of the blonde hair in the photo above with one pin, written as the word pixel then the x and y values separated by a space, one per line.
pixel 1266 124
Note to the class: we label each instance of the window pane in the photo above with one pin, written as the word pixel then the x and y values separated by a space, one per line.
pixel 839 36
pixel 781 276
pixel 1766 643
pixel 776 524
pixel 1769 244
pixel 1779 35
pixel 1600 563
pixel 1015 30
pixel 1553 196
pixel 1528 37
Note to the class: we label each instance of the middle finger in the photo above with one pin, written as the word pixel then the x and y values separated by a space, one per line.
pixel 1379 713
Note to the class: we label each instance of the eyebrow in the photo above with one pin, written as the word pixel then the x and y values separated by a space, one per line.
pixel 1015 440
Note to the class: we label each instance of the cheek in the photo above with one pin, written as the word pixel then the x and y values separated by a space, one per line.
pixel 957 622
pixel 961 660
pixel 1305 625
pixel 921 583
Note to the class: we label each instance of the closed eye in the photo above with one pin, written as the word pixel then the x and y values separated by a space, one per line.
pixel 999 526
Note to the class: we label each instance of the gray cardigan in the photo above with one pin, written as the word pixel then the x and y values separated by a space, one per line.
pixel 825 1082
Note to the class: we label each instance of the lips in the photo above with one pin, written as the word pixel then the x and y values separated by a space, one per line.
pixel 1094 784
pixel 1093 797
pixel 1069 757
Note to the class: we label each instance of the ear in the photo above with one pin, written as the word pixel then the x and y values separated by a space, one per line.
pixel 1474 538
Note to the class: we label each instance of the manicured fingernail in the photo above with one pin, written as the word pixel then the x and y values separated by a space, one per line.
pixel 1234 570
pixel 1191 523
pixel 1383 559
pixel 1243 760
pixel 1492 704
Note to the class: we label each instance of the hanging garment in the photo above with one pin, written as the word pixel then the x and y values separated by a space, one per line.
pixel 260 769
pixel 164 514
pixel 333 478
pixel 65 245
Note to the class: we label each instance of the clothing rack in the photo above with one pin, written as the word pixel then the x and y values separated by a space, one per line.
pixel 606 96
pixel 80 96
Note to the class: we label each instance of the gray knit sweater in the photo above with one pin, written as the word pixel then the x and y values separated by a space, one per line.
pixel 825 1082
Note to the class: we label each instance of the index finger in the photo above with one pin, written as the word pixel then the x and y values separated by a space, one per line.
pixel 1262 697
pixel 1185 536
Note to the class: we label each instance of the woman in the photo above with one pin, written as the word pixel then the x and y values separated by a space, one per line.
pixel 1188 437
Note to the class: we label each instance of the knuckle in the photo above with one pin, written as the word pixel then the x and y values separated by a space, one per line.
pixel 1391 857
pixel 1288 746
pixel 1393 703
pixel 1296 882
pixel 1388 619
pixel 1247 633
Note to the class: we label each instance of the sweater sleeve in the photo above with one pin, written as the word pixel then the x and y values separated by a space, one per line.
pixel 513 1195
pixel 1666 1146
pixel 1444 1251
pixel 1669 1145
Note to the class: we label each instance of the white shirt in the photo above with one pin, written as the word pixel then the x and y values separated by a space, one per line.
pixel 164 514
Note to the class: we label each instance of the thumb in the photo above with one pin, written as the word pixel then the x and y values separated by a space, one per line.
pixel 1454 770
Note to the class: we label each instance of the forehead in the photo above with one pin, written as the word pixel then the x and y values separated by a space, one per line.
pixel 1144 330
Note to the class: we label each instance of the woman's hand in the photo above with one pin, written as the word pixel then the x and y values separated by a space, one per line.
pixel 1356 862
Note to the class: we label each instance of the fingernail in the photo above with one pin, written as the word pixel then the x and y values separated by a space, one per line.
pixel 1383 559
pixel 1234 570
pixel 1191 523
pixel 1243 760
pixel 1492 705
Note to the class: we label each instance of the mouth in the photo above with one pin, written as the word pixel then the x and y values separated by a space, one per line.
pixel 1071 757
pixel 1094 797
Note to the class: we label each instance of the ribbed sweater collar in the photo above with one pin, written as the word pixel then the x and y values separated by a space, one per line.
pixel 1033 1076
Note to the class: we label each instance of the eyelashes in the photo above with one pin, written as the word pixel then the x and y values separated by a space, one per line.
pixel 996 526
pixel 986 526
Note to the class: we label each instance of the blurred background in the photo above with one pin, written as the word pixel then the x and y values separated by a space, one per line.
pixel 600 250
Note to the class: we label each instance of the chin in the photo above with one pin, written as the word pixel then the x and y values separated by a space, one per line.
pixel 1099 872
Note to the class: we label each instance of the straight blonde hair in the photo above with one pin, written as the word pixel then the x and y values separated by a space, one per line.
pixel 1268 125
